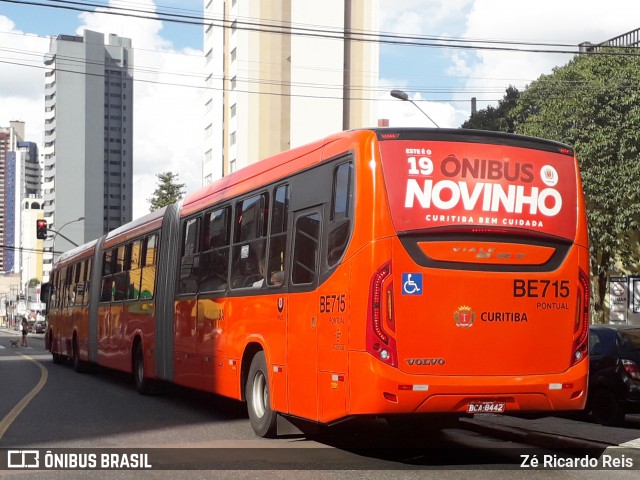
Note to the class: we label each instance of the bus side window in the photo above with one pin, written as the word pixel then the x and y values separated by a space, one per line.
pixel 53 296
pixel 87 280
pixel 107 270
pixel 340 219
pixel 214 261
pixel 148 281
pixel 190 261
pixel 121 277
pixel 135 251
pixel 68 287
pixel 78 288
pixel 250 238
pixel 278 238
pixel 305 249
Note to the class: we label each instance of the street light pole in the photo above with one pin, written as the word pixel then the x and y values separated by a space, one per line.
pixel 57 232
pixel 400 95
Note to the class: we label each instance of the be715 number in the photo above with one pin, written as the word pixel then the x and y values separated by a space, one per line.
pixel 333 303
pixel 541 288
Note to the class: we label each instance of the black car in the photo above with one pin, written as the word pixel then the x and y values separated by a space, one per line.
pixel 614 372
pixel 39 326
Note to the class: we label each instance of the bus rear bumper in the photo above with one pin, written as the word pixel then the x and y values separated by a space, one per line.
pixel 380 389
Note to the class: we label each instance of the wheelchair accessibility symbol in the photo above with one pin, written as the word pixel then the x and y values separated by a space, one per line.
pixel 412 284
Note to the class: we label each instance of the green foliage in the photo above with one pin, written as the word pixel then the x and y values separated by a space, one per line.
pixel 498 118
pixel 167 192
pixel 593 104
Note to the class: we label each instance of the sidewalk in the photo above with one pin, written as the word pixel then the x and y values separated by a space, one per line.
pixel 562 433
pixel 6 329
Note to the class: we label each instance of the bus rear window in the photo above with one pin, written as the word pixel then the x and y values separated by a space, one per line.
pixel 449 184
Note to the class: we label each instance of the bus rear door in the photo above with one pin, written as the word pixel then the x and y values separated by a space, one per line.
pixel 302 331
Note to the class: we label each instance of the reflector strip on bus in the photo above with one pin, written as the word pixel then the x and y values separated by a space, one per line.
pixel 415 388
pixel 560 386
pixel 277 369
pixel 337 378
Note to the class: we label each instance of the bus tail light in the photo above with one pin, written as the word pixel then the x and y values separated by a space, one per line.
pixel 380 313
pixel 581 326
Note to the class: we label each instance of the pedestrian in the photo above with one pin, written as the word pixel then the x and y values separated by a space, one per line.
pixel 25 330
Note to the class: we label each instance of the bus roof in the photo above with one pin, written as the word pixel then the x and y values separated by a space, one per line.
pixel 139 226
pixel 263 172
pixel 82 251
pixel 472 136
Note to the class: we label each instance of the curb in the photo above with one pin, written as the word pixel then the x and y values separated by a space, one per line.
pixel 531 437
pixel 554 441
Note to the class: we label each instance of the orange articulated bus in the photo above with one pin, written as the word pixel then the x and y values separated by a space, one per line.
pixel 402 273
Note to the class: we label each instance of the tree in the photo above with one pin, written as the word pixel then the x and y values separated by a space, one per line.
pixel 167 192
pixel 593 104
pixel 496 118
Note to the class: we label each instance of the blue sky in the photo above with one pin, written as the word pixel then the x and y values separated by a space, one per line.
pixel 442 79
pixel 48 21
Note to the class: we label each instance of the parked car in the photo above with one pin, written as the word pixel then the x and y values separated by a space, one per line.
pixel 614 372
pixel 39 326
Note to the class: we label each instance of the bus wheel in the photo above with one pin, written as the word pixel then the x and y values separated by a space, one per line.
pixel 140 379
pixel 57 358
pixel 261 416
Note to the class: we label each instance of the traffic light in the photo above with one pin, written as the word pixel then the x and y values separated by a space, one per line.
pixel 41 229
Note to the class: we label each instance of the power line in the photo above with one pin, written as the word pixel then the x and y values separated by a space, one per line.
pixel 25 249
pixel 249 81
pixel 324 32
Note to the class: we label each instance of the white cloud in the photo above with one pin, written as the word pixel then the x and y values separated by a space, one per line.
pixel 420 17
pixel 568 22
pixel 21 78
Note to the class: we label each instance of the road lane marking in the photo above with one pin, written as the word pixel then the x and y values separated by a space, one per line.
pixel 22 404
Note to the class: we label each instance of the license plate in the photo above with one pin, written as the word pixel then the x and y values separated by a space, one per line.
pixel 486 407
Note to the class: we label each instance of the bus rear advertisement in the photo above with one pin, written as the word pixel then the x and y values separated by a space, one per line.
pixel 410 274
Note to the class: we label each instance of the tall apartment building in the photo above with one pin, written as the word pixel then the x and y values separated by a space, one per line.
pixel 88 143
pixel 9 138
pixel 4 153
pixel 280 74
pixel 21 200
pixel 23 204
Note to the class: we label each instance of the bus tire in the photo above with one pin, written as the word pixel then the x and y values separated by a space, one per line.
pixel 262 417
pixel 140 379
pixel 57 358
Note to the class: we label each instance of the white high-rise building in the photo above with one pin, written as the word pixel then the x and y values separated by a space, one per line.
pixel 284 73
